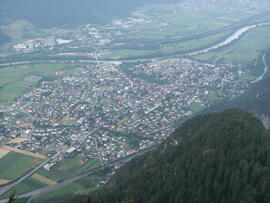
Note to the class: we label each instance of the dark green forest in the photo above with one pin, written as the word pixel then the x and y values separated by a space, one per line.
pixel 220 157
pixel 49 13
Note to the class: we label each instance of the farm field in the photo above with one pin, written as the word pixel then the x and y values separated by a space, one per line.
pixel 13 83
pixel 27 185
pixel 14 164
pixel 49 174
pixel 27 153
pixel 3 152
pixel 75 165
pixel 43 179
pixel 85 185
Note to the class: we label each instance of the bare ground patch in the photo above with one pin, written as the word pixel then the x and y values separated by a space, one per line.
pixel 3 152
pixel 24 152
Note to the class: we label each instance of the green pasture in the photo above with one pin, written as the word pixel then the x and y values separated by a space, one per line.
pixel 27 185
pixel 73 165
pixel 49 174
pixel 12 84
pixel 14 165
pixel 86 184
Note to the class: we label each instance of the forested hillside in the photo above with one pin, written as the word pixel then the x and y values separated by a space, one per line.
pixel 221 157
pixel 48 13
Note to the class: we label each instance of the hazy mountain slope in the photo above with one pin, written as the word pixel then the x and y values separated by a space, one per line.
pixel 47 13
pixel 222 157
pixel 4 38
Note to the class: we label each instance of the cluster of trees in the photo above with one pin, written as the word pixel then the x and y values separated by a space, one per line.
pixel 222 157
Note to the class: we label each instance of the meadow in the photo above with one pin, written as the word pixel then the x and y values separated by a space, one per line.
pixel 12 84
pixel 74 166
pixel 14 165
pixel 82 186
pixel 27 185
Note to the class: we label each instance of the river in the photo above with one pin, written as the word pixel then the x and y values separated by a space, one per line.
pixel 230 39
pixel 264 72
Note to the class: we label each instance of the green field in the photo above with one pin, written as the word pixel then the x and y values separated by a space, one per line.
pixel 87 184
pixel 244 50
pixel 196 107
pixel 13 165
pixel 12 84
pixel 27 185
pixel 49 174
pixel 73 165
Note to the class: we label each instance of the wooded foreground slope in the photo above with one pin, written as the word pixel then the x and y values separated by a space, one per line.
pixel 221 157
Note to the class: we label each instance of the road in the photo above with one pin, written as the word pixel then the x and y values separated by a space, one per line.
pixel 50 188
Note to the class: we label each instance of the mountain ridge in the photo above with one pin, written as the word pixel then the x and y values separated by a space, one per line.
pixel 71 12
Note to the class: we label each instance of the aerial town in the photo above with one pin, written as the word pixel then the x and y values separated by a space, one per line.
pixel 111 110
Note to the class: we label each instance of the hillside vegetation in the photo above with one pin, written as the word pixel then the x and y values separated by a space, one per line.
pixel 220 157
